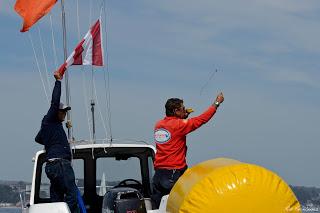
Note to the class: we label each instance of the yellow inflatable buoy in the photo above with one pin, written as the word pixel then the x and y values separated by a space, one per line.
pixel 229 186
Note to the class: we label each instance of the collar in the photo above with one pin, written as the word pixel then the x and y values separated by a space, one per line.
pixel 170 118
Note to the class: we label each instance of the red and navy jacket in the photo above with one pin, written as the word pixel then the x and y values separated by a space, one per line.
pixel 170 138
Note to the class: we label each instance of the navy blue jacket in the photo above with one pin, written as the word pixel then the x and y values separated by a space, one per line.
pixel 52 134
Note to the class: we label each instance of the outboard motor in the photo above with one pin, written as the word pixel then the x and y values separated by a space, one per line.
pixel 123 200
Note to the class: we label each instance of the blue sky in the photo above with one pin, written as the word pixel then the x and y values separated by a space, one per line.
pixel 267 54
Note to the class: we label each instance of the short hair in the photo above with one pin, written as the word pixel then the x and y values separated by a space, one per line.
pixel 172 104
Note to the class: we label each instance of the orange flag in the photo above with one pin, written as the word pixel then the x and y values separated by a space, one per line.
pixel 32 10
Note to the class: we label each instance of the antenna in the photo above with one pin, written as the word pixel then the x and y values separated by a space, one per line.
pixel 92 107
pixel 206 84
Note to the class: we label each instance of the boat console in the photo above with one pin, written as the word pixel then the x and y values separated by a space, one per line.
pixel 123 199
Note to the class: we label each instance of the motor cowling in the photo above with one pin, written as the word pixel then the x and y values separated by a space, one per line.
pixel 123 200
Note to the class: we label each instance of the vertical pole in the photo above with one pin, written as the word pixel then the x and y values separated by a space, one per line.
pixel 92 108
pixel 93 122
pixel 65 58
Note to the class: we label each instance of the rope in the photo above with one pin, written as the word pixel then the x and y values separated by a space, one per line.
pixel 130 140
pixel 70 111
pixel 85 102
pixel 37 62
pixel 53 44
pixel 108 99
pixel 78 22
pixel 209 79
pixel 44 60
pixel 68 95
pixel 90 12
pixel 83 79
pixel 108 113
pixel 107 76
pixel 67 76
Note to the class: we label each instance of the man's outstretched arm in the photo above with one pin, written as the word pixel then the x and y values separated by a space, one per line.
pixel 55 100
pixel 188 125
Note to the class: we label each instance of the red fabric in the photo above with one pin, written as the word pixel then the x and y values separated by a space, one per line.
pixel 171 154
pixel 32 10
pixel 62 69
pixel 97 45
pixel 77 57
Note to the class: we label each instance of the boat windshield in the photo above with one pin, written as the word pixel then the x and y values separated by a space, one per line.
pixel 111 171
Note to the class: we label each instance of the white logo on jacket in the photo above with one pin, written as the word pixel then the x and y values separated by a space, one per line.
pixel 162 135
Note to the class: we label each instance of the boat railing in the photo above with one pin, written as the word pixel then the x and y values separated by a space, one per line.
pixel 109 141
pixel 24 196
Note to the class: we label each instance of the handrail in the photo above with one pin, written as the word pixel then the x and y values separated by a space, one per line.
pixel 108 141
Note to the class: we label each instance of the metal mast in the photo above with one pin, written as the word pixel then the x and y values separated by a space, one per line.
pixel 65 58
pixel 92 107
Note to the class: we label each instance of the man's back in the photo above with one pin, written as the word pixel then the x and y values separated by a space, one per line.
pixel 55 140
pixel 170 137
pixel 52 134
pixel 170 144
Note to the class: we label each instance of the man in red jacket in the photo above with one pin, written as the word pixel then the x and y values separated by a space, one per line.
pixel 170 138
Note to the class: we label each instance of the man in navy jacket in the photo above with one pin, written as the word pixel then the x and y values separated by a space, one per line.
pixel 58 154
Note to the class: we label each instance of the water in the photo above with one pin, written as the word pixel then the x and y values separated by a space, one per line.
pixel 309 211
pixel 10 210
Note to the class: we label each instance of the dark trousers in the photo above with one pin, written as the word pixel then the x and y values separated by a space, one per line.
pixel 163 181
pixel 63 187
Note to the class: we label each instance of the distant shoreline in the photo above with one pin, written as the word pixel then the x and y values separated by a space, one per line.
pixel 10 207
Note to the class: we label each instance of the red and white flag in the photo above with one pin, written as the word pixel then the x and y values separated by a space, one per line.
pixel 88 52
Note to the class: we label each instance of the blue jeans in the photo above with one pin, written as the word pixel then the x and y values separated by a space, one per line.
pixel 63 187
pixel 163 181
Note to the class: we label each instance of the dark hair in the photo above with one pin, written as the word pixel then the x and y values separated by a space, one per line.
pixel 172 104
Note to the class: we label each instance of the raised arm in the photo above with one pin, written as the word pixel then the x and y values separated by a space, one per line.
pixel 188 125
pixel 55 100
